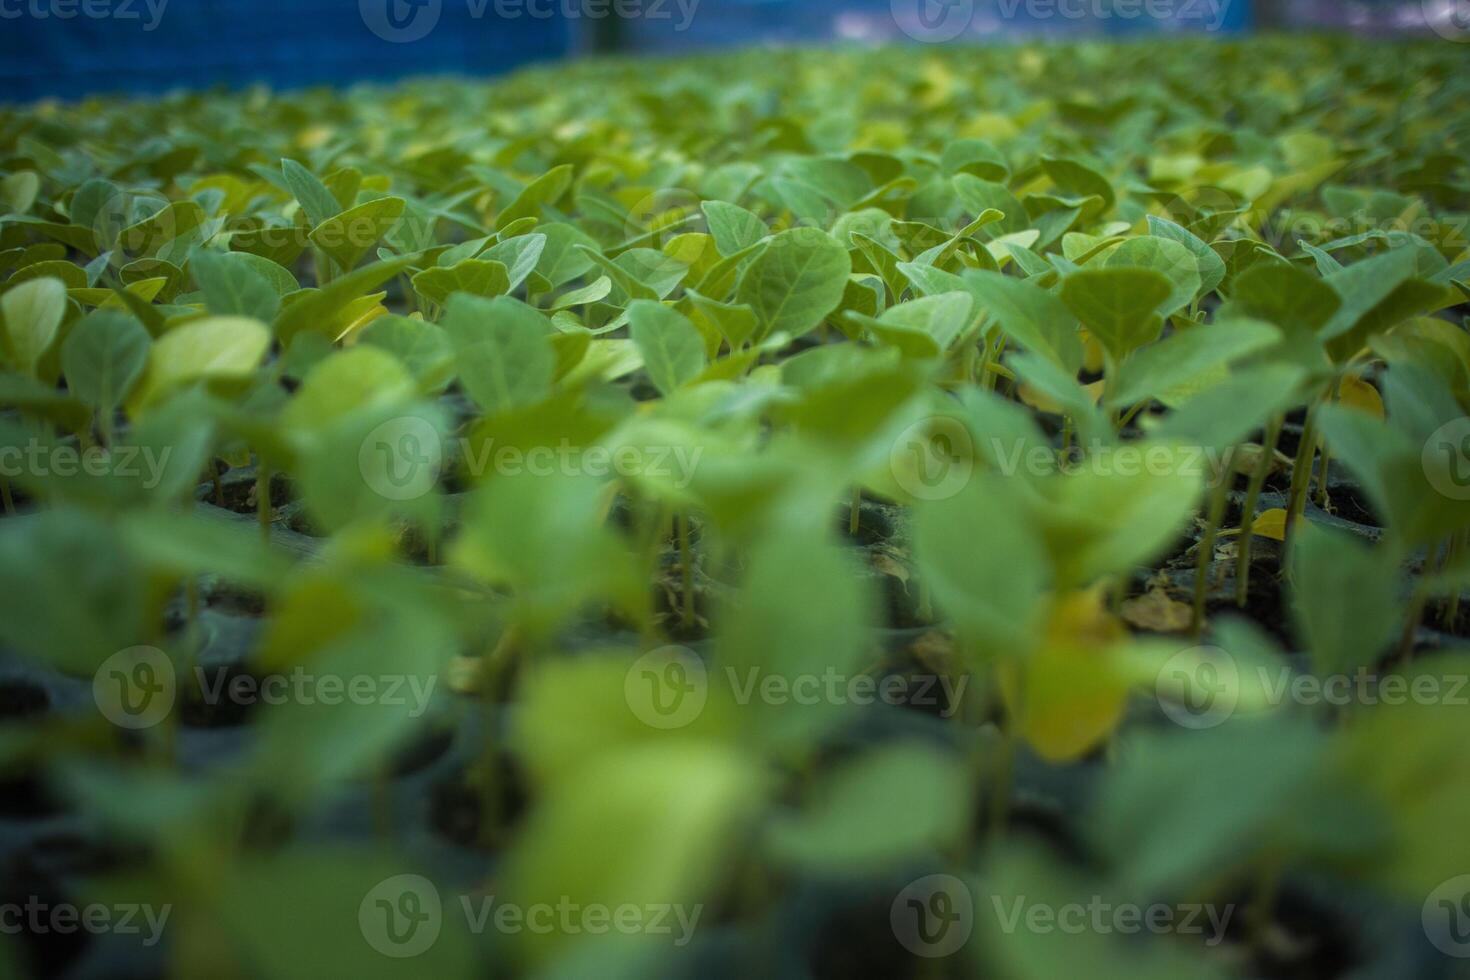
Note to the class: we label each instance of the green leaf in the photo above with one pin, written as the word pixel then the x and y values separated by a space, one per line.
pixel 311 193
pixel 1101 520
pixel 1076 179
pixel 674 816
pixel 737 324
pixel 318 309
pixel 539 192
pixel 1286 296
pixel 18 191
pixel 980 196
pixel 1163 255
pixel 347 237
pixel 232 287
pixel 985 564
pixel 1346 607
pixel 780 625
pixel 346 381
pixel 71 594
pixel 1029 315
pixel 504 350
pixel 732 227
pixel 1211 266
pixel 519 255
pixel 795 282
pixel 32 312
pixel 214 348
pixel 673 351
pixel 476 277
pixel 1118 306
pixel 422 347
pixel 941 318
pixel 892 804
pixel 1188 360
pixel 103 356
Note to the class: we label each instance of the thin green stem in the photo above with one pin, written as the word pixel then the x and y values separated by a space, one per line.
pixel 1248 513
pixel 686 567
pixel 263 498
pixel 1301 475
pixel 1219 493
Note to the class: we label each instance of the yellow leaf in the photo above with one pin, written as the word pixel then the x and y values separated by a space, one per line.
pixel 1157 613
pixel 1069 695
pixel 1359 394
pixel 1270 524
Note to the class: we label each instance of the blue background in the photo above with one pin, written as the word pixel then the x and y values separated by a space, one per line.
pixel 291 43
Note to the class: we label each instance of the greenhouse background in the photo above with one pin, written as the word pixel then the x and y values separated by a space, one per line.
pixel 72 48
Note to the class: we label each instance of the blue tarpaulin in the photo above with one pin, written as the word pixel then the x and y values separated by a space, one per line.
pixel 80 47
pixel 288 43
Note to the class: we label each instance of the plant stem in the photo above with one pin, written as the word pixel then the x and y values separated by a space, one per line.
pixel 1248 514
pixel 1413 616
pixel 1206 560
pixel 855 513
pixel 6 497
pixel 219 487
pixel 1301 476
pixel 686 566
pixel 1451 613
pixel 263 498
